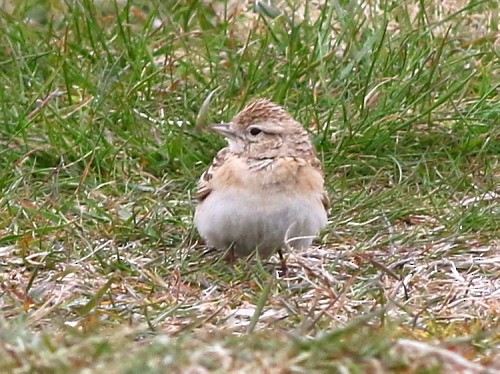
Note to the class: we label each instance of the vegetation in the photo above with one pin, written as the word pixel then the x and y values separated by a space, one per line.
pixel 102 141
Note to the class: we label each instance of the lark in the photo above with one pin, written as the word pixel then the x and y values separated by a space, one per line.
pixel 265 191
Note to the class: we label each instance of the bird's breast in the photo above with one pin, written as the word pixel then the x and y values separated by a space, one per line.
pixel 279 174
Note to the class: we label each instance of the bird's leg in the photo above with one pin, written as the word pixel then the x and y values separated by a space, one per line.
pixel 283 268
pixel 230 255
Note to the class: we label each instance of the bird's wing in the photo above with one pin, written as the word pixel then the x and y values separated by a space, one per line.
pixel 315 162
pixel 205 182
pixel 325 200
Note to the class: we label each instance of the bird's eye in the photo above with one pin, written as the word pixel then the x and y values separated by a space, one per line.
pixel 255 131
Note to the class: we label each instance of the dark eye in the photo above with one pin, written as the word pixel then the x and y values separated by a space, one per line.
pixel 255 131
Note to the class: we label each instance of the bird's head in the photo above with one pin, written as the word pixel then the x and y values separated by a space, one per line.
pixel 264 130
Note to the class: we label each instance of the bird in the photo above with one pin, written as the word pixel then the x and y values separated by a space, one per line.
pixel 265 191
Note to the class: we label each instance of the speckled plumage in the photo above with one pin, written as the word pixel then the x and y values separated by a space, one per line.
pixel 262 189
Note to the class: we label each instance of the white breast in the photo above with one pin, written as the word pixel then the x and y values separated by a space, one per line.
pixel 247 221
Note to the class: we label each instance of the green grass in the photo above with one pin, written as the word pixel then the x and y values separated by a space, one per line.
pixel 100 266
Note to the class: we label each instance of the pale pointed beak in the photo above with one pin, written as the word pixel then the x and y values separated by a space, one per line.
pixel 225 130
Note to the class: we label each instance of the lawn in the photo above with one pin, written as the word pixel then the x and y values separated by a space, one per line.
pixel 104 106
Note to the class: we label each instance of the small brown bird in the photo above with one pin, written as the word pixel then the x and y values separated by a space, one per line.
pixel 265 191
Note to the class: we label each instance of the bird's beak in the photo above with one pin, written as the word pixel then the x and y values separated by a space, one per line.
pixel 225 130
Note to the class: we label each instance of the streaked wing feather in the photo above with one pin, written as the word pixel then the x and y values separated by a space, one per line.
pixel 205 184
